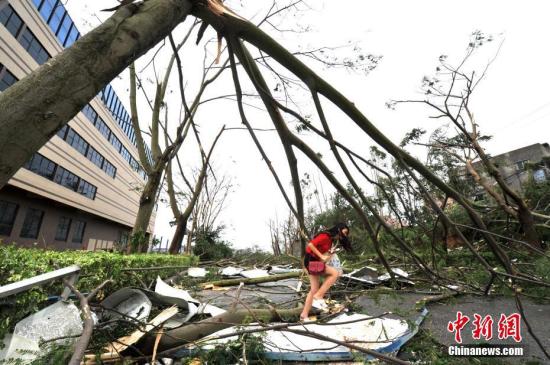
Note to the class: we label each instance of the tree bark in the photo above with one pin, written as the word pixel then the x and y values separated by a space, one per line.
pixel 198 330
pixel 36 107
pixel 179 234
pixel 147 203
pixel 265 279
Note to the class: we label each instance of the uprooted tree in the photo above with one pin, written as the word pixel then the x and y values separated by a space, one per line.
pixel 47 99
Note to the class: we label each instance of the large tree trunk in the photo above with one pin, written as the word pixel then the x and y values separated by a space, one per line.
pixel 177 239
pixel 147 203
pixel 36 107
pixel 198 330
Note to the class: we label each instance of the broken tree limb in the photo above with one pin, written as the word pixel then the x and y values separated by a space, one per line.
pixel 263 279
pixel 84 339
pixel 198 330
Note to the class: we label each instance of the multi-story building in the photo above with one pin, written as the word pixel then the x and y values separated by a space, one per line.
pixel 514 166
pixel 81 190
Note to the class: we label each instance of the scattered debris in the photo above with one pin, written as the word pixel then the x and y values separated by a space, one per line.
pixel 369 275
pixel 196 272
pixel 231 271
pixel 126 303
pixel 383 335
pixel 59 320
pixel 254 273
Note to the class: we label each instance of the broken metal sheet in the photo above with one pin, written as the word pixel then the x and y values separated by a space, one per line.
pixel 255 273
pixel 367 275
pixel 164 289
pixel 282 270
pixel 196 272
pixel 124 303
pixel 57 320
pixel 384 335
pixel 195 306
pixel 231 271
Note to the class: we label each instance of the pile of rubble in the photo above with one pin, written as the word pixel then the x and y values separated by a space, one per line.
pixel 183 324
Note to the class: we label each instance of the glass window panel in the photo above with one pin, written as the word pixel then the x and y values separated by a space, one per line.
pixel 102 128
pixel 64 29
pixel 63 132
pixel 41 166
pixel 77 142
pixel 95 157
pixel 109 169
pixel 115 142
pixel 78 233
pixel 10 19
pixel 56 18
pixel 6 78
pixel 63 228
pixel 90 113
pixel 66 178
pixel 73 36
pixel 32 223
pixel 47 8
pixel 8 212
pixel 86 189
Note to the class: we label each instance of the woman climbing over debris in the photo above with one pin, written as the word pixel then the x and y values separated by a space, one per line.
pixel 320 261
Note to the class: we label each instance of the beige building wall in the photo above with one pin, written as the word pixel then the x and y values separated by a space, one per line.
pixel 117 199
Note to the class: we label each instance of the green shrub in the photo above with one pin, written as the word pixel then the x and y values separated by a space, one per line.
pixel 20 263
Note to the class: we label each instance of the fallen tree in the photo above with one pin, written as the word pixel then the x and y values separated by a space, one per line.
pixel 263 279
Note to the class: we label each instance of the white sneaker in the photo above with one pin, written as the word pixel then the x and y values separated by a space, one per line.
pixel 319 304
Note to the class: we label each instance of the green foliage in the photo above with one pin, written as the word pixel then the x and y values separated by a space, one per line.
pixel 247 345
pixel 209 246
pixel 20 263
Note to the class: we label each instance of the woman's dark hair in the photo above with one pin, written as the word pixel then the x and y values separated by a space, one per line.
pixel 344 240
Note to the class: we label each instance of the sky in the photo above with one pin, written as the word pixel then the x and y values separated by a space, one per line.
pixel 511 104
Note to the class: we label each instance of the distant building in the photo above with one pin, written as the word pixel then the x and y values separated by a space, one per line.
pixel 514 166
pixel 81 189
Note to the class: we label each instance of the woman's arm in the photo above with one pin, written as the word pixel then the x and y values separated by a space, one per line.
pixel 317 253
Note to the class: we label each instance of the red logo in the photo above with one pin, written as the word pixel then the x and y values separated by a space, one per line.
pixel 508 326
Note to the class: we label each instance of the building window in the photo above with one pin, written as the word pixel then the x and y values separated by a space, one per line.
pixel 78 232
pixel 73 36
pixel 102 128
pixel 42 166
pixel 63 228
pixel 33 46
pixel 520 165
pixel 90 113
pixel 134 164
pixel 66 178
pixel 32 223
pixel 125 154
pixel 86 189
pixel 77 142
pixel 109 169
pixel 6 78
pixel 8 212
pixel 95 157
pixel 10 19
pixel 62 133
pixel 56 18
pixel 115 142
pixel 46 8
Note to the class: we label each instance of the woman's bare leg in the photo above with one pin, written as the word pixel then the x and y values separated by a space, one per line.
pixel 314 287
pixel 331 275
